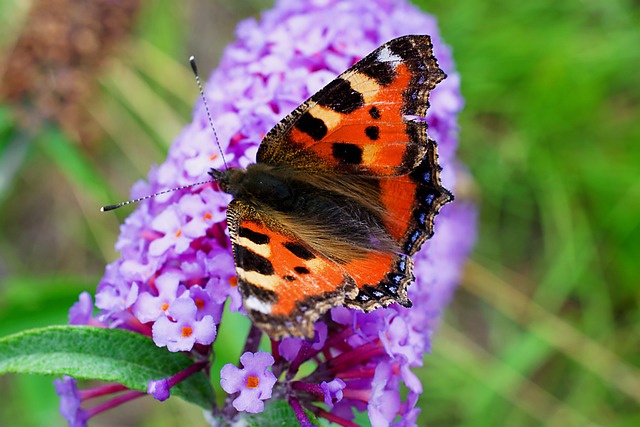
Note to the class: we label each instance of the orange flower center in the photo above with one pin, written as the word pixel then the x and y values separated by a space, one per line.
pixel 186 331
pixel 164 306
pixel 207 216
pixel 199 303
pixel 252 382
pixel 179 232
pixel 233 281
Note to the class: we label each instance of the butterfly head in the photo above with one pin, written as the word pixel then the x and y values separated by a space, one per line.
pixel 258 183
pixel 227 179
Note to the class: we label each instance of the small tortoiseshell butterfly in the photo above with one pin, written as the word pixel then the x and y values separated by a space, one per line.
pixel 344 191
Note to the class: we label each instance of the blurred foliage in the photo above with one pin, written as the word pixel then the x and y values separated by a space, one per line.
pixel 545 327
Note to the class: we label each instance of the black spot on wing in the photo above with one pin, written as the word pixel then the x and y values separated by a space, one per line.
pixel 254 236
pixel 312 126
pixel 404 48
pixel 372 132
pixel 340 97
pixel 374 112
pixel 249 289
pixel 382 72
pixel 301 270
pixel 251 261
pixel 347 153
pixel 299 250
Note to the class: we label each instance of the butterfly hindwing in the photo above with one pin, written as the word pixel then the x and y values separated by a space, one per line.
pixel 285 284
pixel 411 203
pixel 369 120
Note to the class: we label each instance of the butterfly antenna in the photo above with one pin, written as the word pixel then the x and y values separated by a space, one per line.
pixel 194 67
pixel 128 202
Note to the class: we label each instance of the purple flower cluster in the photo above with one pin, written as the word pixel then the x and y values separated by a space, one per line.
pixel 176 270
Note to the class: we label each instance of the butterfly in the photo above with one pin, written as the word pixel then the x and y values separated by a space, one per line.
pixel 343 192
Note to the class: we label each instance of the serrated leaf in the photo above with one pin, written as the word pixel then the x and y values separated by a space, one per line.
pixel 112 355
pixel 277 413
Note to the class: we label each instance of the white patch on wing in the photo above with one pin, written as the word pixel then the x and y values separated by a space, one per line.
pixel 385 55
pixel 253 303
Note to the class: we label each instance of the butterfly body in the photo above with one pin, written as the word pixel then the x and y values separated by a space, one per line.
pixel 336 209
pixel 344 191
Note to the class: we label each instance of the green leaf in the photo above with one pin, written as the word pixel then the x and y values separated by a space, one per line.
pixel 277 413
pixel 112 355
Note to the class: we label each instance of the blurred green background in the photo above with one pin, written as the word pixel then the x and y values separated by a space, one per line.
pixel 545 329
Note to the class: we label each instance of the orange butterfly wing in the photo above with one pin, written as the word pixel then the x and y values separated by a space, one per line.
pixel 369 120
pixel 285 284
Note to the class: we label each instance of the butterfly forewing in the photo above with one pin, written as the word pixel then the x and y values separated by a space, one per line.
pixel 363 121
